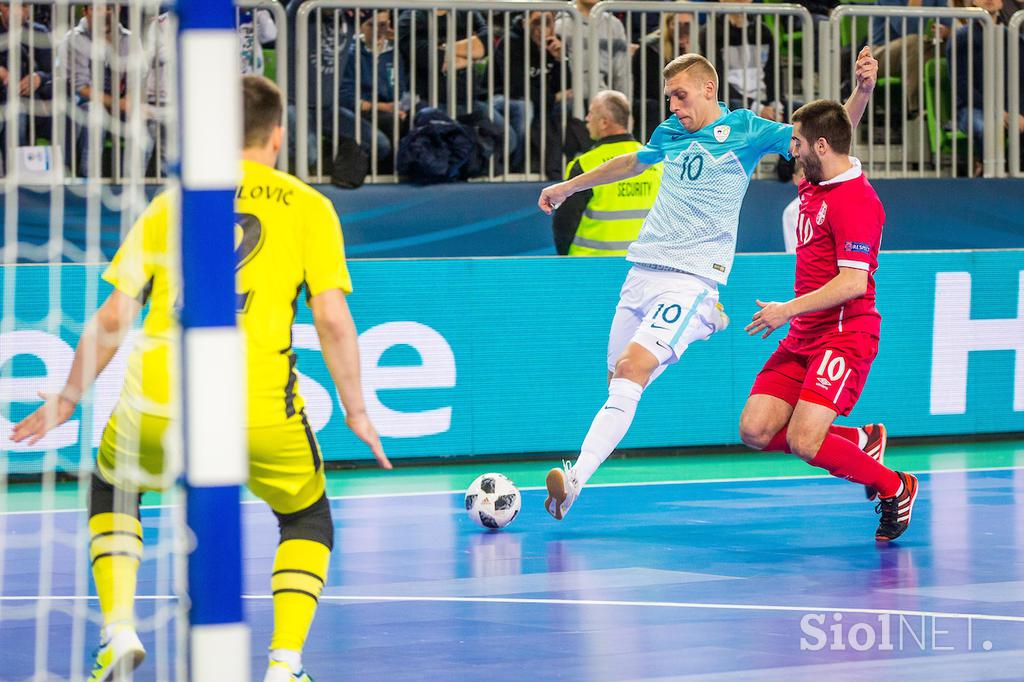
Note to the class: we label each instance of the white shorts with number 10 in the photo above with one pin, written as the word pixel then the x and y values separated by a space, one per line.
pixel 664 312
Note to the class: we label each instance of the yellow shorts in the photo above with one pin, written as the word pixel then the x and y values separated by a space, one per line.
pixel 285 466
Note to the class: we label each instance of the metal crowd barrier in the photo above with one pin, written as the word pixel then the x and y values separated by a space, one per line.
pixel 1016 77
pixel 911 128
pixel 779 38
pixel 341 27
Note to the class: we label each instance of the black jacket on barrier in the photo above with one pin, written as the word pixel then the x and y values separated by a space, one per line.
pixel 437 149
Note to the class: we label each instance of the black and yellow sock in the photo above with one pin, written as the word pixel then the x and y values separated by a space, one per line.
pixel 115 548
pixel 300 572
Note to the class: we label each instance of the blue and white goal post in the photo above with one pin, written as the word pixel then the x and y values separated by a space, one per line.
pixel 212 354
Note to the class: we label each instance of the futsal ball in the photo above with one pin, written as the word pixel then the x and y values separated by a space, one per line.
pixel 493 501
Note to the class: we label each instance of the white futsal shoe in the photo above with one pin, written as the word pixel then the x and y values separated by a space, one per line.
pixel 278 671
pixel 118 656
pixel 563 489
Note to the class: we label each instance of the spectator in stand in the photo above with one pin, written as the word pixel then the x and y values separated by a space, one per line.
pixel 120 50
pixel 819 9
pixel 644 23
pixel 547 54
pixel 470 47
pixel 385 95
pixel 534 35
pixel 160 41
pixel 970 96
pixel 745 57
pixel 657 48
pixel 1010 7
pixel 613 48
pixel 256 28
pixel 330 34
pixel 465 55
pixel 33 85
pixel 889 44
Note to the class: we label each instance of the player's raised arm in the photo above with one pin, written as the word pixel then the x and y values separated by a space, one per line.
pixel 865 74
pixel 97 345
pixel 339 344
pixel 613 170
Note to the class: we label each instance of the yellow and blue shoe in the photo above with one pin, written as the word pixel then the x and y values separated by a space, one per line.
pixel 723 318
pixel 719 321
pixel 118 656
pixel 279 671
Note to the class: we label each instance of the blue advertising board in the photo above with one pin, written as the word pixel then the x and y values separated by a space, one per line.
pixel 501 356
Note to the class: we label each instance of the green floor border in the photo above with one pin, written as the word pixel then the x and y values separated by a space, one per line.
pixel 440 476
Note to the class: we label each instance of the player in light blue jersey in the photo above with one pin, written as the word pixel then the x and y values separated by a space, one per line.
pixel 686 245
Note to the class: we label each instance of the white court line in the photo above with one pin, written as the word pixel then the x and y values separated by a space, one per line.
pixel 373 496
pixel 588 602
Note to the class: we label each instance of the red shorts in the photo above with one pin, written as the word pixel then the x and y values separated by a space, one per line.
pixel 829 370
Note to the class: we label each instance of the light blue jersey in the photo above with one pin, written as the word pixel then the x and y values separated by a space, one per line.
pixel 692 225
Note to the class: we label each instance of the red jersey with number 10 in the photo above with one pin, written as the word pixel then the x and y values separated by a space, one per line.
pixel 840 226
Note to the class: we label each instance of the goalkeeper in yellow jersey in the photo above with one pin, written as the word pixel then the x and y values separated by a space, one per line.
pixel 288 237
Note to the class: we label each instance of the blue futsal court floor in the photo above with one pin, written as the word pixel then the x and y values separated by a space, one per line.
pixel 716 579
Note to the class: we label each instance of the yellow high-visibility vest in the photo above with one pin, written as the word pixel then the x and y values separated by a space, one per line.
pixel 616 211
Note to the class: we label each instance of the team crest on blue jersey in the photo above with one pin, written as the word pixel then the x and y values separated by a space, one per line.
pixel 722 133
pixel 820 218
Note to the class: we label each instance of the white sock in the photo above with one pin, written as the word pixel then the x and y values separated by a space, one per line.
pixel 862 438
pixel 292 658
pixel 608 428
pixel 116 628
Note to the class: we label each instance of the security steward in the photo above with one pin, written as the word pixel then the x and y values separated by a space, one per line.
pixel 603 221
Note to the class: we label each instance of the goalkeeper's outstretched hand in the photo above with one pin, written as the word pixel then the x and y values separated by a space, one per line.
pixel 363 428
pixel 56 409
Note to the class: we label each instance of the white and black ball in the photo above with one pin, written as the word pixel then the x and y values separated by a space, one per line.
pixel 493 501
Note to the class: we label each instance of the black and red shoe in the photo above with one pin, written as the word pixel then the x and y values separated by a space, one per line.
pixel 875 449
pixel 896 510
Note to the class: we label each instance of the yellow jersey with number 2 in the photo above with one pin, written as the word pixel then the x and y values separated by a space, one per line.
pixel 287 237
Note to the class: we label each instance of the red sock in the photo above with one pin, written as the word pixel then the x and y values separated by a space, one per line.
pixel 844 459
pixel 850 433
pixel 778 443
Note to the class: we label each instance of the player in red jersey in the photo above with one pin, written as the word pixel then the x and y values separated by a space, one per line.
pixel 819 369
